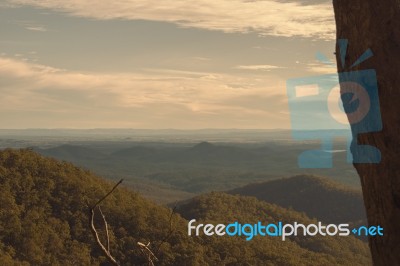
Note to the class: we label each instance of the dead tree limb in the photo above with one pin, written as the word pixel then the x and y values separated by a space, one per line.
pixel 147 253
pixel 108 194
pixel 105 250
pixel 105 229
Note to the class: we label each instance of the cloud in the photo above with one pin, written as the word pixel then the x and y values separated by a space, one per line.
pixel 258 67
pixel 266 17
pixel 321 68
pixel 35 95
pixel 30 25
pixel 200 58
pixel 36 28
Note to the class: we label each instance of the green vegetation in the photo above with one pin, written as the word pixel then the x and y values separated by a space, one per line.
pixel 44 221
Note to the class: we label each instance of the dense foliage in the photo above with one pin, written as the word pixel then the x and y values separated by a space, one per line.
pixel 44 221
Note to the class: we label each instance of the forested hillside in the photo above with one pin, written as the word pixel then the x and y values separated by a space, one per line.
pixel 44 220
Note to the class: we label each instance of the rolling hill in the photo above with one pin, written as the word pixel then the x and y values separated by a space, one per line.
pixel 318 197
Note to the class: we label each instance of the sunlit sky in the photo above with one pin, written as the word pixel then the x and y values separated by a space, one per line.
pixel 157 64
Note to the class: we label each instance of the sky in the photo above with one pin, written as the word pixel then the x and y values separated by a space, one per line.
pixel 158 64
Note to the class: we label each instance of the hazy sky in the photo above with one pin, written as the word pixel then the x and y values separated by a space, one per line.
pixel 157 64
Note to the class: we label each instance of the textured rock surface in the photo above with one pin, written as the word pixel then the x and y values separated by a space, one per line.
pixel 376 24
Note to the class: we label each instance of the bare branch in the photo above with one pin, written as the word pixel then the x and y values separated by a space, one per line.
pixel 147 253
pixel 145 250
pixel 106 229
pixel 96 236
pixel 105 250
pixel 108 194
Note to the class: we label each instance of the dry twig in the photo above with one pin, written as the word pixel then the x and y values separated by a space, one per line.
pixel 105 250
pixel 147 253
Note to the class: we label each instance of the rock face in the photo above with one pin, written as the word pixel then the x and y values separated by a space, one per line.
pixel 375 24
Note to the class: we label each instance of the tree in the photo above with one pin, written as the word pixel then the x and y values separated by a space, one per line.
pixel 376 25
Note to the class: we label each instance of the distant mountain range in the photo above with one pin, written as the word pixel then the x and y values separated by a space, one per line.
pixel 163 135
pixel 203 153
pixel 195 153
pixel 193 168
